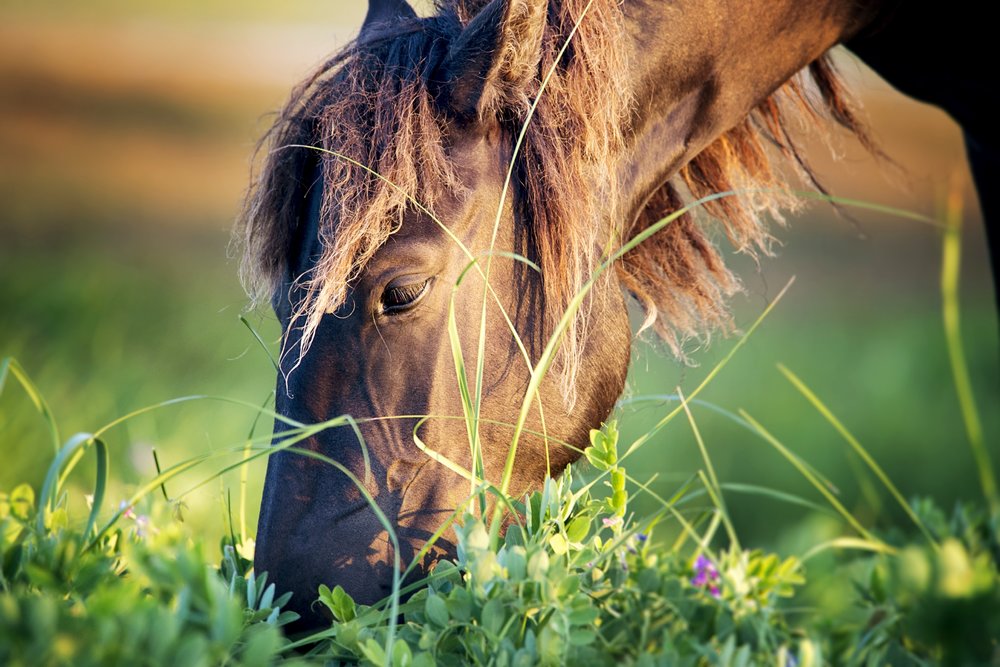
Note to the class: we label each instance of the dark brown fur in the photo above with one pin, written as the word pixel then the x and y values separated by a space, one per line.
pixel 621 126
pixel 373 102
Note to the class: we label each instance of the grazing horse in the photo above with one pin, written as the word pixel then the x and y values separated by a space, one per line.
pixel 387 173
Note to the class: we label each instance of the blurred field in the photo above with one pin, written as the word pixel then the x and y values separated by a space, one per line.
pixel 125 135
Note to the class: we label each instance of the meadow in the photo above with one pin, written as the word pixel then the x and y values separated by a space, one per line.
pixel 598 567
pixel 130 323
pixel 121 170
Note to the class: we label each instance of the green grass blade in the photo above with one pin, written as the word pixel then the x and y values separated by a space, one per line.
pixel 245 469
pixel 69 464
pixel 712 483
pixel 441 458
pixel 687 527
pixel 794 460
pixel 774 494
pixel 159 470
pixel 73 448
pixel 505 190
pixel 195 398
pixel 468 409
pixel 950 268
pixel 849 543
pixel 857 447
pixel 260 341
pixel 100 484
pixel 10 366
pixel 51 485
pixel 736 419
pixel 868 206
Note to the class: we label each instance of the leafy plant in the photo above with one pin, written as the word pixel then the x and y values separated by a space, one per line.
pixel 577 578
pixel 575 583
pixel 139 595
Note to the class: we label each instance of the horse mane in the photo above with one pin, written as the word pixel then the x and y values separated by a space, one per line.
pixel 373 102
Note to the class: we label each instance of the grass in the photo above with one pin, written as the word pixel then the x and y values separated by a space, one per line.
pixel 581 578
pixel 117 333
pixel 578 579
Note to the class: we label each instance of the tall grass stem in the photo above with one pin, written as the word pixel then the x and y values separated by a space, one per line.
pixel 950 270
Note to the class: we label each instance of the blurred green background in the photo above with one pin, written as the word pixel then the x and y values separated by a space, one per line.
pixel 125 138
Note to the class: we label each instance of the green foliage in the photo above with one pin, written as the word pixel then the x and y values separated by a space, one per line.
pixel 574 583
pixel 140 595
pixel 940 602
pixel 577 579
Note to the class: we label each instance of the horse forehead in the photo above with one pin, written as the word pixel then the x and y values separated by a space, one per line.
pixel 418 235
pixel 462 214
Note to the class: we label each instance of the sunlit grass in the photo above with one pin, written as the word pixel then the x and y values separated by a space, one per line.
pixel 565 522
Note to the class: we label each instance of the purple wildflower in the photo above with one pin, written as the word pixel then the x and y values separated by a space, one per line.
pixel 642 537
pixel 706 575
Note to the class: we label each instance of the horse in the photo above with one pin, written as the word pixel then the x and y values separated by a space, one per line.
pixel 484 161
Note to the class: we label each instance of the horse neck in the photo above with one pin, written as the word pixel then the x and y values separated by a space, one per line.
pixel 701 66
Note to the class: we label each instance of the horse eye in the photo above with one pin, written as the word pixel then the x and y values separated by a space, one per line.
pixel 399 298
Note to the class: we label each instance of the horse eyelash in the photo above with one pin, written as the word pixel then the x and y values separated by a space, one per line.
pixel 403 295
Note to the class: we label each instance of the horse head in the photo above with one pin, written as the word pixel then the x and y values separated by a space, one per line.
pixel 449 184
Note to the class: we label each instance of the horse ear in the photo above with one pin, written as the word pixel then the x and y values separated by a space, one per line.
pixel 494 60
pixel 386 11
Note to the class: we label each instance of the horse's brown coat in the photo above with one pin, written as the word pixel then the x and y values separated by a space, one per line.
pixel 374 102
pixel 651 104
